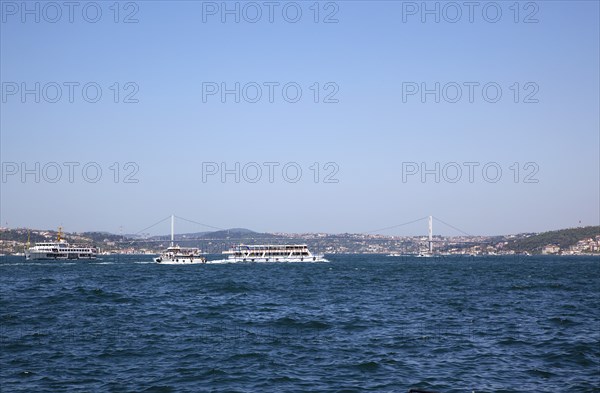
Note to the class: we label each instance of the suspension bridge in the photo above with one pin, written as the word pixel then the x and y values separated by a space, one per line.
pixel 141 235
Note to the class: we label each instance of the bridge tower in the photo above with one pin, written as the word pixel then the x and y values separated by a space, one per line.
pixel 430 234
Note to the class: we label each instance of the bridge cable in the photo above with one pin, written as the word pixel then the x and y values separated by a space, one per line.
pixel 452 226
pixel 199 223
pixel 153 225
pixel 399 225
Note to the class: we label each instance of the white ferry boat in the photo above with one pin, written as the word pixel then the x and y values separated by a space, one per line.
pixel 272 253
pixel 180 255
pixel 175 255
pixel 60 250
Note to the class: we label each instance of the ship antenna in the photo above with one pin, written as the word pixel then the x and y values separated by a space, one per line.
pixel 58 236
pixel 172 230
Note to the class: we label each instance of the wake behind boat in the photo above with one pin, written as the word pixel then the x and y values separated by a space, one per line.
pixel 175 255
pixel 272 253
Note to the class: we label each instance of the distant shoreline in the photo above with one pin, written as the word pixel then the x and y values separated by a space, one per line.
pixel 571 241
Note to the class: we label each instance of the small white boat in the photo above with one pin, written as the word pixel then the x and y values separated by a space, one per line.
pixel 175 255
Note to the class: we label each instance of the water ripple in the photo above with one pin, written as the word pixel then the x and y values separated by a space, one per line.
pixel 356 324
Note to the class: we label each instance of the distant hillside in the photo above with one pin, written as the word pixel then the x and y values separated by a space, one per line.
pixel 21 236
pixel 564 238
pixel 99 237
pixel 233 233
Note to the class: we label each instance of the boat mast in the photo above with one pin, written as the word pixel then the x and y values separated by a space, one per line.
pixel 172 230
pixel 430 235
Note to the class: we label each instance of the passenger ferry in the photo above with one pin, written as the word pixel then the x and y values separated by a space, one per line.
pixel 60 250
pixel 272 253
pixel 175 255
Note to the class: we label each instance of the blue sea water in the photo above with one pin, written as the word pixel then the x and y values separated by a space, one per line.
pixel 355 324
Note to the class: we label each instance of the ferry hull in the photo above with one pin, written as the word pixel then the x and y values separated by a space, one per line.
pixel 179 261
pixel 313 258
pixel 37 255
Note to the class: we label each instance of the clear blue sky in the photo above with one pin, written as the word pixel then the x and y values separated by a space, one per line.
pixel 369 53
